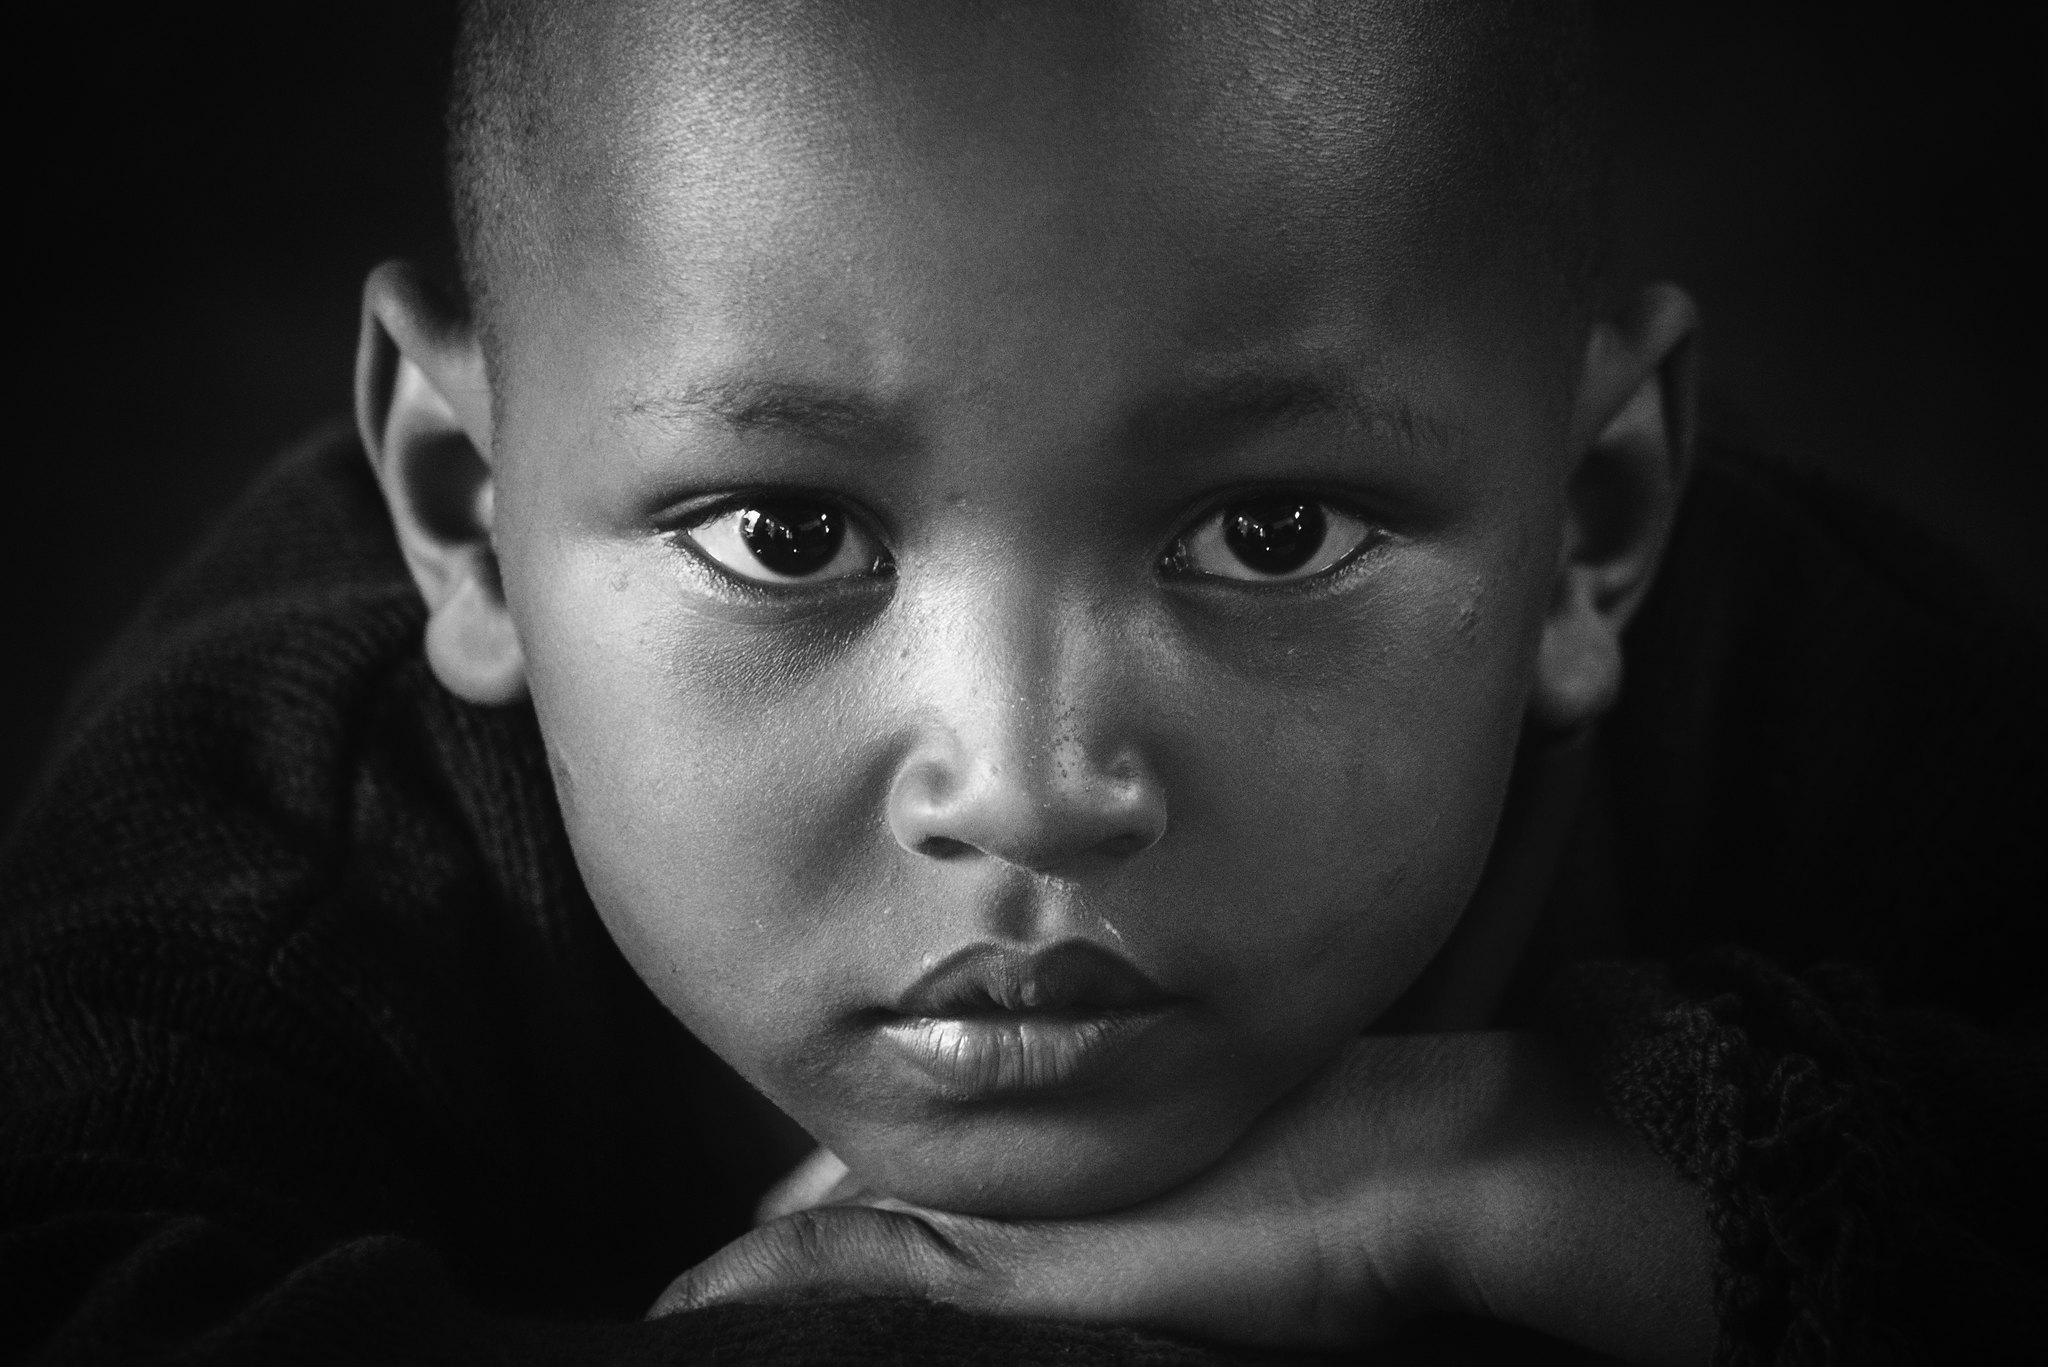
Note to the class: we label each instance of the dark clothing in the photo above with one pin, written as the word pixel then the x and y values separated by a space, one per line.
pixel 312 1048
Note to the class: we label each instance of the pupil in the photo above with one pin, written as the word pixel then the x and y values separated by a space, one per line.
pixel 1274 535
pixel 791 538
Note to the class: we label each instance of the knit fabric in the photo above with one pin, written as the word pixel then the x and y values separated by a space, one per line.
pixel 312 1049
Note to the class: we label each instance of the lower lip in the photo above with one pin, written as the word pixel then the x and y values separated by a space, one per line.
pixel 975 1057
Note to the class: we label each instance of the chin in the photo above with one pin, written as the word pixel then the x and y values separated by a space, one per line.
pixel 1038 1166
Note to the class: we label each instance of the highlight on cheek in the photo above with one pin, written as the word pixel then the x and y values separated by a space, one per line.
pixel 790 540
pixel 1271 538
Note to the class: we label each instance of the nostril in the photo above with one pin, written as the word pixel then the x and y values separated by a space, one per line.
pixel 1118 847
pixel 957 808
pixel 946 847
pixel 943 847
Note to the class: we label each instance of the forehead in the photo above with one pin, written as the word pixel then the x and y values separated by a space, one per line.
pixel 993 182
pixel 1247 82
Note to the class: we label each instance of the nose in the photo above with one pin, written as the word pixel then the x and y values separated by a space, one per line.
pixel 1033 813
pixel 1029 757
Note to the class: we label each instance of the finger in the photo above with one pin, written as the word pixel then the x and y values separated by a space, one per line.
pixel 810 1183
pixel 1213 1280
pixel 832 1250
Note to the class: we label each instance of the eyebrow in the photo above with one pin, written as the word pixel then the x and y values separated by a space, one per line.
pixel 1208 415
pixel 1217 413
pixel 838 417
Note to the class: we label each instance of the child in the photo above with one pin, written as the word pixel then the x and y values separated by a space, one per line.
pixel 1042 578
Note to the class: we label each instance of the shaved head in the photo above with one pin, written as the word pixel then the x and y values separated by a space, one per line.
pixel 556 107
pixel 1100 478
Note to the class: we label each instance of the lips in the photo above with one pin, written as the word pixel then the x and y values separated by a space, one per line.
pixel 994 1021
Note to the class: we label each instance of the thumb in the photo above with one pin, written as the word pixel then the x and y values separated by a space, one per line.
pixel 814 1182
pixel 835 1250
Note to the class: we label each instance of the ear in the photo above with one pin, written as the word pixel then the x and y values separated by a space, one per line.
pixel 1631 437
pixel 423 405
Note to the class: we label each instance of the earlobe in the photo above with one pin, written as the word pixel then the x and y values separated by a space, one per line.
pixel 1578 666
pixel 1631 445
pixel 423 409
pixel 472 647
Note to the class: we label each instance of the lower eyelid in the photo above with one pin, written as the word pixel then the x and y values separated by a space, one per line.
pixel 1370 537
pixel 686 540
pixel 706 576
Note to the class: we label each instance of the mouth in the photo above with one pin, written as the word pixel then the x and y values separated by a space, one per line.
pixel 995 1021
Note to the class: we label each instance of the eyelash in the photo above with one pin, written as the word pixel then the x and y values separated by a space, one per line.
pixel 1331 517
pixel 680 529
pixel 1333 512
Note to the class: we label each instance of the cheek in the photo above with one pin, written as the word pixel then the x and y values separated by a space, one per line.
pixel 716 830
pixel 1339 803
pixel 1334 769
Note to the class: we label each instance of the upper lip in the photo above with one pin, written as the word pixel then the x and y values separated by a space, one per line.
pixel 1073 976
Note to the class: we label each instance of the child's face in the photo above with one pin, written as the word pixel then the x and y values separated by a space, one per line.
pixel 909 483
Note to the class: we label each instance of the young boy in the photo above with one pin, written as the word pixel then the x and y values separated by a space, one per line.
pixel 1042 581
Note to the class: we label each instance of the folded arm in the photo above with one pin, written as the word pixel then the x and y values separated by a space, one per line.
pixel 1727 1163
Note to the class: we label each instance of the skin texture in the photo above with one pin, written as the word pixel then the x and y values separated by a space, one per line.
pixel 1023 294
pixel 1459 1171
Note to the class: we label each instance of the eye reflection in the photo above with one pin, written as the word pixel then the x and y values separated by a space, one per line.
pixel 1271 538
pixel 786 540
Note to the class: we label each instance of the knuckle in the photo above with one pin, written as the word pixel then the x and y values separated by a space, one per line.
pixel 917 1242
pixel 804 1242
pixel 857 1248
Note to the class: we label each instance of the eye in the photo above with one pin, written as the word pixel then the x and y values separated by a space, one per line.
pixel 1270 538
pixel 786 540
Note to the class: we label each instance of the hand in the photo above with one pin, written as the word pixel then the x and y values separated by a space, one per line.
pixel 1237 1254
pixel 1420 1172
pixel 820 1180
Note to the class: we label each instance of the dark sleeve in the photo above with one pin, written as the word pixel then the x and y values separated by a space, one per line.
pixel 311 1047
pixel 165 1199
pixel 1828 771
pixel 1873 1175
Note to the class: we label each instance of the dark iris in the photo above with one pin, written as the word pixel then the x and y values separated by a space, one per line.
pixel 1275 534
pixel 791 537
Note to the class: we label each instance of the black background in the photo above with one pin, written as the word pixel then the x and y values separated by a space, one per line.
pixel 1853 196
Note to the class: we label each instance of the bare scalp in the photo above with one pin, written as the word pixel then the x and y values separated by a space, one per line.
pixel 1474 117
